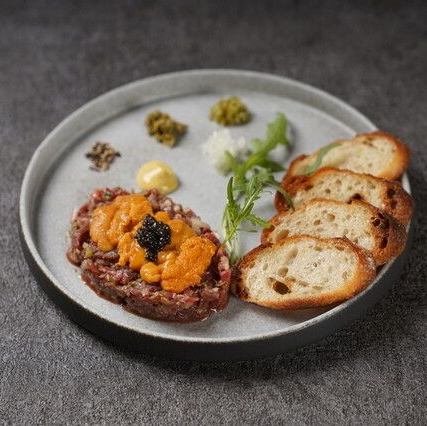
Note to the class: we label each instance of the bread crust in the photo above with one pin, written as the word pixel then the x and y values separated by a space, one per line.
pixel 403 154
pixel 292 169
pixel 364 275
pixel 395 200
pixel 388 233
pixel 395 169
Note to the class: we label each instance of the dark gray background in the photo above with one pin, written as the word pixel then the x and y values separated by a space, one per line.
pixel 56 56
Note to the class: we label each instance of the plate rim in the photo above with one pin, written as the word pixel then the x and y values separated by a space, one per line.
pixel 28 239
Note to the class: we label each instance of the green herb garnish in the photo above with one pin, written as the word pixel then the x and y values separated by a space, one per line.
pixel 250 179
pixel 235 213
pixel 259 157
pixel 311 168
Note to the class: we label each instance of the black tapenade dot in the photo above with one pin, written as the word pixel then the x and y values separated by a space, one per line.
pixel 153 236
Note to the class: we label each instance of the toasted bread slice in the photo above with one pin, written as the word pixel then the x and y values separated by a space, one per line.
pixel 360 222
pixel 343 185
pixel 304 272
pixel 377 153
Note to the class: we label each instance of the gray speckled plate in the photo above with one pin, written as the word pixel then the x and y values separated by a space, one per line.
pixel 58 179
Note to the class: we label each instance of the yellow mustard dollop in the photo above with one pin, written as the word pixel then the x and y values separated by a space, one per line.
pixel 157 174
pixel 181 264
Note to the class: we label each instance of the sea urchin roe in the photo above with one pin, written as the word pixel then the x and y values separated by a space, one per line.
pixel 182 257
pixel 111 221
pixel 130 252
pixel 164 128
pixel 230 112
pixel 193 259
pixel 153 236
pixel 102 155
pixel 158 175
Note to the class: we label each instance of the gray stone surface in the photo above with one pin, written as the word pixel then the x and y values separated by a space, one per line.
pixel 55 56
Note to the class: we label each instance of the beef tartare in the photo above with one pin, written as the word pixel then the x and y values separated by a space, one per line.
pixel 149 254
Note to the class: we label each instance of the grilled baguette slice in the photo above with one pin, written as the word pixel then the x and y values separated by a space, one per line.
pixel 360 222
pixel 343 185
pixel 304 272
pixel 377 153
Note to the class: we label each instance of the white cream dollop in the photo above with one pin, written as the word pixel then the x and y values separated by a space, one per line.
pixel 218 143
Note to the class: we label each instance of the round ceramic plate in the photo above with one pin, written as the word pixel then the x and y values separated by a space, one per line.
pixel 58 179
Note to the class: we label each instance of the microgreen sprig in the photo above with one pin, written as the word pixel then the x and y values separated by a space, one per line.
pixel 250 179
pixel 259 156
pixel 311 168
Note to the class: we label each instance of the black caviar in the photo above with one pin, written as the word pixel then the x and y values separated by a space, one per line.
pixel 153 236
